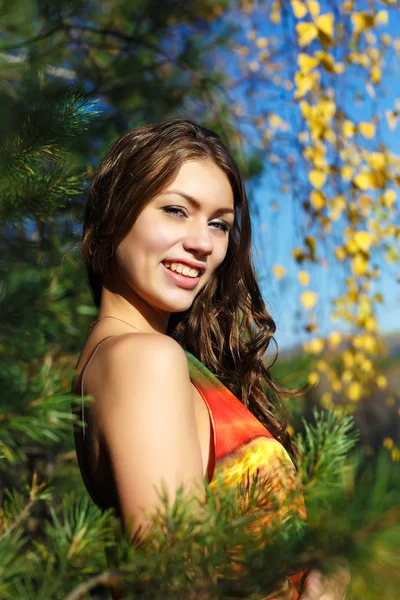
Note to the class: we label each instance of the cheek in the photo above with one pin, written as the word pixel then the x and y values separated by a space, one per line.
pixel 144 244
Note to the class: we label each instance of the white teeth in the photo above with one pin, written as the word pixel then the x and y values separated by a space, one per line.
pixel 182 269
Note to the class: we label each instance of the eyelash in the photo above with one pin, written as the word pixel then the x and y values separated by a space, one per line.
pixel 173 209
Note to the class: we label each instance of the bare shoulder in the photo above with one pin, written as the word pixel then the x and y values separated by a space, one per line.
pixel 140 365
pixel 137 345
pixel 141 355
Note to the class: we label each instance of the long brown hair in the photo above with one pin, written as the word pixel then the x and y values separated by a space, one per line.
pixel 236 327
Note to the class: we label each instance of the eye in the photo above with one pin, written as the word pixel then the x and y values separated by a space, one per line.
pixel 177 210
pixel 222 225
pixel 174 210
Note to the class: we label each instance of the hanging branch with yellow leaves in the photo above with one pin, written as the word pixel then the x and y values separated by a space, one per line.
pixel 328 63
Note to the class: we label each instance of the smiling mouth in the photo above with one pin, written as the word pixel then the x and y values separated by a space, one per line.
pixel 183 281
pixel 193 276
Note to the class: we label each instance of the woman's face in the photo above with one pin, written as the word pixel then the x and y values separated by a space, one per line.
pixel 174 230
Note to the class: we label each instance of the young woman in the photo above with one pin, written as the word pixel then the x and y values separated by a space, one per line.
pixel 174 360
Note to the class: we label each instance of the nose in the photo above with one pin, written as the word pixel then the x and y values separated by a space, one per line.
pixel 199 239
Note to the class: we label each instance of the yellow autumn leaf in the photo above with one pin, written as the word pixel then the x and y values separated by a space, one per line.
pixel 376 74
pixel 346 376
pixel 348 128
pixel 279 271
pixel 313 378
pixel 354 391
pixel 340 254
pixel 317 178
pixel 306 62
pixel 395 455
pixel 325 24
pixel 299 8
pixel 334 339
pixel 326 109
pixel 336 207
pixel 351 246
pixel 304 83
pixel 359 265
pixel 365 203
pixel 317 199
pixel 377 160
pixel 346 172
pixel 305 109
pixel 391 118
pixel 382 17
pixel 277 122
pixel 364 181
pixel 327 61
pixel 306 33
pixel 275 14
pixel 304 277
pixel 363 239
pixel 367 130
pixel 318 157
pixel 321 366
pixel 313 7
pixel 314 346
pixel 262 42
pixel 308 299
pixel 309 241
pixel 388 443
pixel 388 198
pixel 366 365
pixel 381 382
pixel 348 359
pixel 367 342
pixel 362 21
pixel 370 324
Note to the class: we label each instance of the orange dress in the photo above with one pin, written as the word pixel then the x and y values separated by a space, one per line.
pixel 242 446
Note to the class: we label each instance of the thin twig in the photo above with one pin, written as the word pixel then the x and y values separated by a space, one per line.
pixel 110 579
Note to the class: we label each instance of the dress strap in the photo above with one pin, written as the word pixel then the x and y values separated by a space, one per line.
pixel 79 382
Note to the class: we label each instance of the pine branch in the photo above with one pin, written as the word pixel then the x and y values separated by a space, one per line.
pixel 34 408
pixel 44 133
pixel 39 194
pixel 229 544
pixel 324 447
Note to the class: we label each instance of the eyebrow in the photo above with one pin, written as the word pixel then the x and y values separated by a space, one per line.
pixel 194 202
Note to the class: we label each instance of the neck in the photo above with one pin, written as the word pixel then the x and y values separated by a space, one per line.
pixel 133 310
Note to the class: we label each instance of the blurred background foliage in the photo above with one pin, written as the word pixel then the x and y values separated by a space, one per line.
pixel 280 82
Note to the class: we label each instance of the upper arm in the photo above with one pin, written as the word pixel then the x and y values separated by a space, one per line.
pixel 145 413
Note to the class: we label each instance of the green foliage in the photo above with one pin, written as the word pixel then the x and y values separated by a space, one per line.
pixel 195 546
pixel 336 437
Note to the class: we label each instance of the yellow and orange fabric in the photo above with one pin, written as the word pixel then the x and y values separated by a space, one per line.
pixel 244 447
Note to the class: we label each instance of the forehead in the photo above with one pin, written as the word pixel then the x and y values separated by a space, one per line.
pixel 204 180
